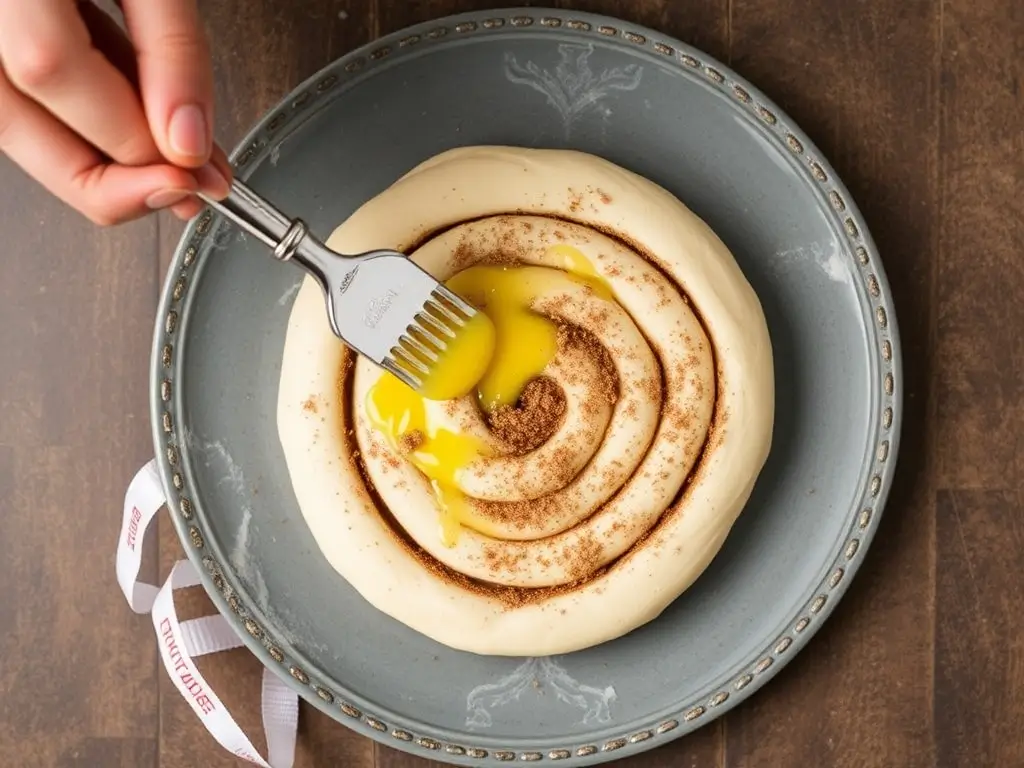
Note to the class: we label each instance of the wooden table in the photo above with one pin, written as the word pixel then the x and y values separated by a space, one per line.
pixel 916 102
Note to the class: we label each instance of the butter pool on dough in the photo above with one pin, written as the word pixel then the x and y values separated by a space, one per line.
pixel 660 475
pixel 452 447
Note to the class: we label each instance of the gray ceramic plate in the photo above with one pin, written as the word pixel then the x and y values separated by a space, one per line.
pixel 658 107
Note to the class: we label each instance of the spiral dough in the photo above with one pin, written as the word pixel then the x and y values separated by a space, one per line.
pixel 666 400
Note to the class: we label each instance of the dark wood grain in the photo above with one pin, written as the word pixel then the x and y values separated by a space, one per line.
pixel 979 629
pixel 917 104
pixel 979 638
pixel 77 669
pixel 981 391
pixel 861 79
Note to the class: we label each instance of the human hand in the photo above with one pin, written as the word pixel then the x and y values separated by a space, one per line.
pixel 114 127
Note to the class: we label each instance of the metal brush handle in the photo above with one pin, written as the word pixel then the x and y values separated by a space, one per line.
pixel 379 285
pixel 260 218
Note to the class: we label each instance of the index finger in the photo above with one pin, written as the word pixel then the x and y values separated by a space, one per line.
pixel 74 171
pixel 175 76
pixel 47 53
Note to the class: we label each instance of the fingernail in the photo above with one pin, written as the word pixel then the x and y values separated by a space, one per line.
pixel 165 198
pixel 212 181
pixel 187 132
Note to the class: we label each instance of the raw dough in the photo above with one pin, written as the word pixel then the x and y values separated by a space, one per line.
pixel 653 481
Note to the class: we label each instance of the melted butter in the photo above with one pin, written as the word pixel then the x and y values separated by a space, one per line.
pixel 573 261
pixel 458 369
pixel 398 412
pixel 524 342
pixel 498 357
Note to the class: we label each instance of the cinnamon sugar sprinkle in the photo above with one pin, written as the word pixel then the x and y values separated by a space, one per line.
pixel 510 250
pixel 411 441
pixel 524 427
pixel 574 337
pixel 533 419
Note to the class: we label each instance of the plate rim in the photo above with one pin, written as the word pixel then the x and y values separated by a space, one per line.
pixel 299 105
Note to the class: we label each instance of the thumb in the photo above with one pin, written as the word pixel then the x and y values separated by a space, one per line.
pixel 175 77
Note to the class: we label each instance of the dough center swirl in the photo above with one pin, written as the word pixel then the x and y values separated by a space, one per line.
pixel 635 370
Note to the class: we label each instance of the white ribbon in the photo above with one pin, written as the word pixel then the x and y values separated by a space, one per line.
pixel 142 501
pixel 182 642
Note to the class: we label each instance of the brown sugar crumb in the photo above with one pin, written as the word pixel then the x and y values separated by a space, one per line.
pixel 650 386
pixel 533 419
pixel 508 559
pixel 681 419
pixel 507 246
pixel 571 336
pixel 582 560
pixel 560 467
pixel 310 405
pixel 575 201
pixel 590 407
pixel 521 514
pixel 411 441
